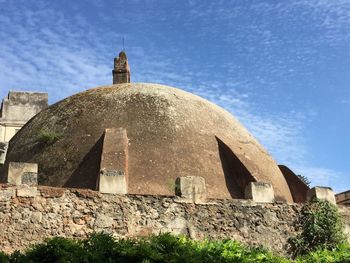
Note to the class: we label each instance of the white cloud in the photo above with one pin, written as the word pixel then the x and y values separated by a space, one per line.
pixel 40 50
pixel 320 176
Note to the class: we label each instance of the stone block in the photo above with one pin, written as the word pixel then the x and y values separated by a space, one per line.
pixel 27 191
pixel 22 173
pixel 322 193
pixel 114 162
pixel 103 221
pixel 3 151
pixel 6 194
pixel 112 182
pixel 178 226
pixel 191 188
pixel 260 192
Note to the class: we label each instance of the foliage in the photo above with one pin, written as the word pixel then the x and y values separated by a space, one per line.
pixel 340 254
pixel 320 226
pixel 4 258
pixel 48 137
pixel 57 249
pixel 304 179
pixel 158 249
pixel 100 247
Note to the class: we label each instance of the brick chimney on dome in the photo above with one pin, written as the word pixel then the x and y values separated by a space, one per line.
pixel 121 71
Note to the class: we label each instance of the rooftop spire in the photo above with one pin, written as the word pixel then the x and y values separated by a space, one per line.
pixel 121 71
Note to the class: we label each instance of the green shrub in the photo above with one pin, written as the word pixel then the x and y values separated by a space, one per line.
pixel 57 249
pixel 163 248
pixel 158 249
pixel 304 179
pixel 340 254
pixel 233 251
pixel 321 228
pixel 4 258
pixel 100 247
pixel 48 137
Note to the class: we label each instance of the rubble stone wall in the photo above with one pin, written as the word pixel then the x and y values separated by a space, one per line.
pixel 28 215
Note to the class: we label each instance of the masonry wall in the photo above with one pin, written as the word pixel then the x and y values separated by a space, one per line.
pixel 29 215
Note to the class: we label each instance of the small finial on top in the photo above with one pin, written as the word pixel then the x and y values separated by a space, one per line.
pixel 122 55
pixel 121 71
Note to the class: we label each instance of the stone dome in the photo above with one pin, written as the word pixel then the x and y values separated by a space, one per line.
pixel 171 133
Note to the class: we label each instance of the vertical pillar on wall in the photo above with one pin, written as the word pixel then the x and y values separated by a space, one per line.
pixel 191 188
pixel 322 193
pixel 113 175
pixel 22 173
pixel 260 192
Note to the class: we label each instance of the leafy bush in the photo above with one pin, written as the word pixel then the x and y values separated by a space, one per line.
pixel 161 248
pixel 48 137
pixel 340 254
pixel 100 247
pixel 57 249
pixel 304 179
pixel 4 258
pixel 233 251
pixel 158 249
pixel 320 226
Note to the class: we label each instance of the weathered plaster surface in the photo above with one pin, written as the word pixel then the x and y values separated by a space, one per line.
pixel 171 133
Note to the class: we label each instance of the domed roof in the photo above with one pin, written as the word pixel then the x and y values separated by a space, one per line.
pixel 171 133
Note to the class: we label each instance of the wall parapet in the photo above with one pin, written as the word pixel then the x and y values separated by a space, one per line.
pixel 47 212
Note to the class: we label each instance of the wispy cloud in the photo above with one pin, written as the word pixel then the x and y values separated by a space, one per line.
pixel 281 134
pixel 278 52
pixel 45 49
pixel 320 176
pixel 41 51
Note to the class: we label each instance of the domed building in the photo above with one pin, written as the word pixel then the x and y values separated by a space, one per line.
pixel 150 135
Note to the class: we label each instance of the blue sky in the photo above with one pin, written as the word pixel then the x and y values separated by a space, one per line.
pixel 281 67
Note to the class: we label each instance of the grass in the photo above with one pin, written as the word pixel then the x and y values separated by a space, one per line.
pixel 48 137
